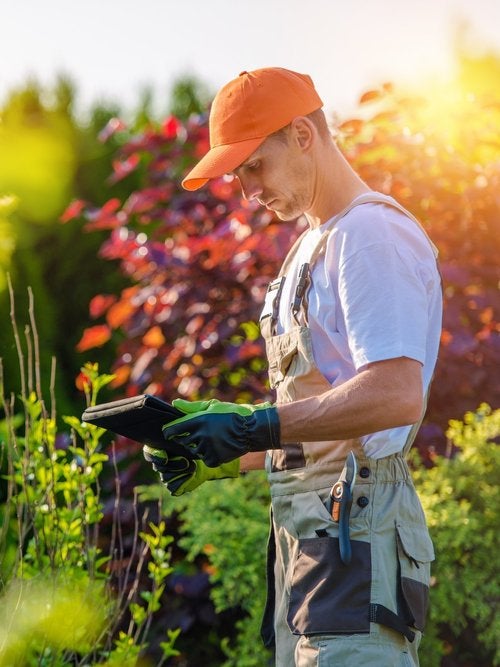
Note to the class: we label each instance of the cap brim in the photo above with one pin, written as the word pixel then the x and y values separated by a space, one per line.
pixel 220 160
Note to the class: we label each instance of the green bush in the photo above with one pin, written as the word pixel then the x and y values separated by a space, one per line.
pixel 461 498
pixel 61 602
pixel 227 522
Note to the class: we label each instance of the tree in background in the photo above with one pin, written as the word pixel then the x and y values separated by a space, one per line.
pixel 438 154
pixel 36 171
pixel 50 155
pixel 198 263
pixel 198 266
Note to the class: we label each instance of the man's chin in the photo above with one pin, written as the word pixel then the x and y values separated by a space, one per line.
pixel 286 216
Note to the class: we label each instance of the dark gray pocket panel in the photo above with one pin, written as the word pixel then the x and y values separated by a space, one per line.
pixel 416 598
pixel 328 597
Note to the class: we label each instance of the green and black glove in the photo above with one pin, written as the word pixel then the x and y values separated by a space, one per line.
pixel 181 475
pixel 217 432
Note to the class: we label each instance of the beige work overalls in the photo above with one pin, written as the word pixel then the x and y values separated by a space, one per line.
pixel 321 611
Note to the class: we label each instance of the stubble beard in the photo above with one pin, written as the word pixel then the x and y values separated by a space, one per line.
pixel 289 209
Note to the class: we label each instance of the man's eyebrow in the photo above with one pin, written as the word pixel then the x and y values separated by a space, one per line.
pixel 248 161
pixel 237 169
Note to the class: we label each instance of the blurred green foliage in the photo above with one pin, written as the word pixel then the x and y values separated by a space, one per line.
pixel 49 155
pixel 8 204
pixel 43 618
pixel 37 144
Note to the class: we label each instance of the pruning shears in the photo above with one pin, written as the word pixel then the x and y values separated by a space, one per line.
pixel 340 504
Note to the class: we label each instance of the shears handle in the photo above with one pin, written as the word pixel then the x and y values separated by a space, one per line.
pixel 341 502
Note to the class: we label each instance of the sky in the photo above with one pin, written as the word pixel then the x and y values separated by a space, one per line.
pixel 114 49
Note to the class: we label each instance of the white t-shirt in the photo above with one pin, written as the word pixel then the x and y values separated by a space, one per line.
pixel 375 295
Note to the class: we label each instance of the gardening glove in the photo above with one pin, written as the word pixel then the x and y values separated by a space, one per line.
pixel 218 432
pixel 181 475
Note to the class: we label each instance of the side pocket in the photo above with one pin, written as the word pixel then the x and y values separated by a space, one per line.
pixel 415 554
pixel 281 351
pixel 326 596
pixel 287 359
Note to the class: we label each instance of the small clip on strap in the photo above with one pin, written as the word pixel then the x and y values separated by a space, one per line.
pixel 302 283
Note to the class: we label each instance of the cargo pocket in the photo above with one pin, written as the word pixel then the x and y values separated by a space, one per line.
pixel 281 352
pixel 415 554
pixel 326 596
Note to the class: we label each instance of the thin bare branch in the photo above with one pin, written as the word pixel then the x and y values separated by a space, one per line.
pixel 17 340
pixel 52 389
pixel 29 362
pixel 38 379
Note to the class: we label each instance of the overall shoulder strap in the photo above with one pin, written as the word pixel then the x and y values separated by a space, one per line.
pixel 330 225
pixel 291 254
pixel 368 198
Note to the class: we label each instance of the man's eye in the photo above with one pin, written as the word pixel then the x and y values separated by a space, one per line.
pixel 253 166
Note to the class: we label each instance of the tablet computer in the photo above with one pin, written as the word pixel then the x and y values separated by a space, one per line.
pixel 139 418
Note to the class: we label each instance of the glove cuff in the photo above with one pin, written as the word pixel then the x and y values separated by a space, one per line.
pixel 267 431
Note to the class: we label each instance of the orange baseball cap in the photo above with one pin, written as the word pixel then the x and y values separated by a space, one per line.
pixel 246 111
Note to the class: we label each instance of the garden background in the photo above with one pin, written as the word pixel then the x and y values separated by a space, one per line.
pixel 114 281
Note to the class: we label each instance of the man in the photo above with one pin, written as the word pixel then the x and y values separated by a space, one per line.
pixel 352 327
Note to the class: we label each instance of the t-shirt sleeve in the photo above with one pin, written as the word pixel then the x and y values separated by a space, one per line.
pixel 383 296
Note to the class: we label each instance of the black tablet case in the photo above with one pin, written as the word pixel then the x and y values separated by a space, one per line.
pixel 139 418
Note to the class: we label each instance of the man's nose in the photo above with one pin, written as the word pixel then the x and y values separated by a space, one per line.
pixel 250 188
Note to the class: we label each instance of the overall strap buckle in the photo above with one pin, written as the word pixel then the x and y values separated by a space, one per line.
pixel 303 281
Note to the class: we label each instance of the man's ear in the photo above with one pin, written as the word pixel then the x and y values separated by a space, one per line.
pixel 303 131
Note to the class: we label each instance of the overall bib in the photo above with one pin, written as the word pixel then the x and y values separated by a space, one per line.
pixel 319 610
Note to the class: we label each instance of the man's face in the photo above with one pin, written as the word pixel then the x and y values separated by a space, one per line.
pixel 276 176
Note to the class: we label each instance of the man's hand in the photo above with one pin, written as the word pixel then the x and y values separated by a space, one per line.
pixel 181 475
pixel 218 432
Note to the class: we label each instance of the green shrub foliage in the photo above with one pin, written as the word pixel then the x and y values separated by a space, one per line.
pixel 64 600
pixel 226 523
pixel 461 497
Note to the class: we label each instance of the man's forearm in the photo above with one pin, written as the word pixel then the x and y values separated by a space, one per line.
pixel 385 395
pixel 252 461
